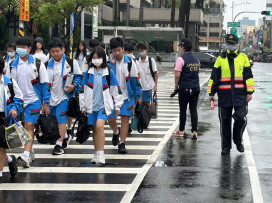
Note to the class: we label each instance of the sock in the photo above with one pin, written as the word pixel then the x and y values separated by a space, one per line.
pixel 65 136
pixel 9 159
pixel 129 121
pixel 26 153
pixel 32 149
pixel 99 152
pixel 59 143
pixel 1 173
pixel 116 132
pixel 121 142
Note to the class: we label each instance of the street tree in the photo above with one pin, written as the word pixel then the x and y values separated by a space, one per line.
pixel 173 9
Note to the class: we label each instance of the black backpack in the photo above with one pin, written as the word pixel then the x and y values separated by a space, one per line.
pixel 143 115
pixel 49 128
pixel 73 107
pixel 82 133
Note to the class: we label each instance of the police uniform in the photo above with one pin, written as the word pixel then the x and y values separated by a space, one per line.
pixel 232 80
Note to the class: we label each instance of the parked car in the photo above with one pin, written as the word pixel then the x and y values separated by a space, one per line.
pixel 206 60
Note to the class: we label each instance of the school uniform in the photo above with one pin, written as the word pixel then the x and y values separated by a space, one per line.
pixel 57 75
pixel 44 57
pixel 33 84
pixel 8 61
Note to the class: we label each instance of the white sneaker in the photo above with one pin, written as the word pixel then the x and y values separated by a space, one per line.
pixel 101 159
pixel 94 159
pixel 24 161
pixel 32 156
pixel 194 135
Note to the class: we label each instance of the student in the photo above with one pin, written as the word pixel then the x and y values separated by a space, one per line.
pixel 10 57
pixel 80 55
pixel 130 87
pixel 96 98
pixel 58 69
pixel 92 44
pixel 147 81
pixel 38 50
pixel 10 104
pixel 34 86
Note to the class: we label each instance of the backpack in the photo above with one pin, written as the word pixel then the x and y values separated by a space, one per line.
pixel 49 128
pixel 82 133
pixel 143 116
pixel 73 110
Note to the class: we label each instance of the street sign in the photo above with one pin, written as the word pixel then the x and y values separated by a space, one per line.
pixel 95 22
pixel 233 24
pixel 233 31
pixel 24 10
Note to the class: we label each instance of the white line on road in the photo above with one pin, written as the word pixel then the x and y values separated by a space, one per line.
pixel 134 147
pixel 253 173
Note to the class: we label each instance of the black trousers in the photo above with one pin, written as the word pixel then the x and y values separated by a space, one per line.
pixel 240 121
pixel 188 96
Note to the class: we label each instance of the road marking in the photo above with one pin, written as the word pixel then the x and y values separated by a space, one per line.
pixel 66 187
pixel 134 147
pixel 88 170
pixel 86 156
pixel 161 132
pixel 253 173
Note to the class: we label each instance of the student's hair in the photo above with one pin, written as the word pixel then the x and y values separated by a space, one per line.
pixel 93 43
pixel 78 50
pixel 34 47
pixel 116 42
pixel 141 46
pixel 11 45
pixel 102 45
pixel 25 41
pixel 2 64
pixel 129 47
pixel 55 44
pixel 101 54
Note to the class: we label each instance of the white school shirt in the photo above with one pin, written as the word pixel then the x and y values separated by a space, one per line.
pixel 120 75
pixel 40 55
pixel 7 63
pixel 24 82
pixel 57 91
pixel 146 80
pixel 2 94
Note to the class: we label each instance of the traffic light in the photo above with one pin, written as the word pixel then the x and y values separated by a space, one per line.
pixel 267 13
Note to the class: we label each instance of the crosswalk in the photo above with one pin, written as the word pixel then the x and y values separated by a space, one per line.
pixel 72 177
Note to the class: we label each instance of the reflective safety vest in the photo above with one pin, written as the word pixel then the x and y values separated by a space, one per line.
pixel 231 79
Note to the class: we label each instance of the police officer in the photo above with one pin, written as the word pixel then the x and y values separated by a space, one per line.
pixel 187 85
pixel 233 81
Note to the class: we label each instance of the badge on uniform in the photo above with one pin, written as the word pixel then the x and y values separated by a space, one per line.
pixel 35 70
pixel 67 67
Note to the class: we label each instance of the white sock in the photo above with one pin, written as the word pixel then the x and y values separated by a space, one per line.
pixel 59 143
pixel 26 153
pixel 9 159
pixel 32 149
pixel 99 152
pixel 65 136
pixel 1 173
pixel 129 122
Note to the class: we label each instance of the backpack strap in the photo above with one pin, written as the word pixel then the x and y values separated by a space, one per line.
pixel 129 65
pixel 10 68
pixel 11 90
pixel 108 76
pixel 150 67
pixel 71 64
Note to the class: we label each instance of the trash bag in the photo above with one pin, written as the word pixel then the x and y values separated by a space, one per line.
pixel 73 107
pixel 49 129
pixel 83 132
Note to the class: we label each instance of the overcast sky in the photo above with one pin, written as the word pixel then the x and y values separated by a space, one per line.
pixel 255 5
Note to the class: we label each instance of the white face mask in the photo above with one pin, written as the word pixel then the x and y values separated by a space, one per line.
pixel 97 62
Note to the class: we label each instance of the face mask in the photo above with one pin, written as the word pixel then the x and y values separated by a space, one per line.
pixel 21 52
pixel 11 54
pixel 97 62
pixel 231 47
pixel 129 55
pixel 142 54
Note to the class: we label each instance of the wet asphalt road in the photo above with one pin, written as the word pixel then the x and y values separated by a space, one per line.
pixel 195 171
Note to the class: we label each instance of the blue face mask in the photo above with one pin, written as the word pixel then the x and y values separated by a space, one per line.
pixel 142 54
pixel 231 47
pixel 11 54
pixel 21 52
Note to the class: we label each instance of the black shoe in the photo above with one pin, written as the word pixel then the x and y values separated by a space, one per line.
pixel 129 129
pixel 122 148
pixel 13 169
pixel 115 138
pixel 225 151
pixel 66 141
pixel 240 148
pixel 1 179
pixel 58 150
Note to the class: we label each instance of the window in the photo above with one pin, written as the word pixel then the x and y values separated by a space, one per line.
pixel 203 34
pixel 202 44
pixel 205 24
pixel 214 34
pixel 214 24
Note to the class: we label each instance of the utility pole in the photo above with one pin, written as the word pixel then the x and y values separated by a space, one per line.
pixel 128 12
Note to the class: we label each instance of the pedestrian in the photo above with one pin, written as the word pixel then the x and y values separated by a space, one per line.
pixel 34 85
pixel 92 44
pixel 10 57
pixel 232 80
pixel 38 50
pixel 9 105
pixel 98 89
pixel 187 85
pixel 80 55
pixel 149 74
pixel 126 74
pixel 59 71
pixel 159 59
